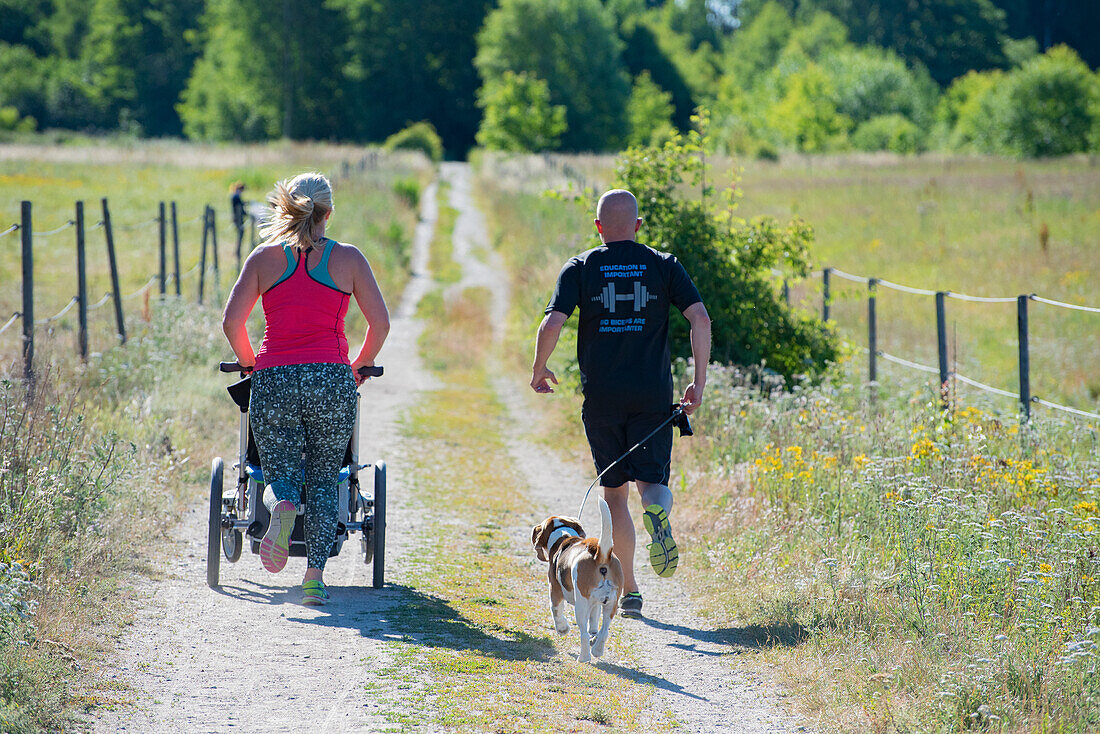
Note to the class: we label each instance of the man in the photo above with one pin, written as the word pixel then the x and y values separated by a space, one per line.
pixel 624 290
pixel 236 203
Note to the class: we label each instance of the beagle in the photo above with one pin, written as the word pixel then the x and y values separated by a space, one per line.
pixel 584 573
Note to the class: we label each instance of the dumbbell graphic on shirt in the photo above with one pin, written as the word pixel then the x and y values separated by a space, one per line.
pixel 611 299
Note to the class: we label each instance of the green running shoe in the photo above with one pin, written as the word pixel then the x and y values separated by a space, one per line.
pixel 314 593
pixel 663 553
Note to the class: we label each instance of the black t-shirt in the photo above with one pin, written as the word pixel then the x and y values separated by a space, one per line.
pixel 624 291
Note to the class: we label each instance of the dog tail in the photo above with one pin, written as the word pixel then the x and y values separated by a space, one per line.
pixel 606 531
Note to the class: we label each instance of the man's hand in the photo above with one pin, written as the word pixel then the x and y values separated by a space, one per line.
pixel 693 398
pixel 541 379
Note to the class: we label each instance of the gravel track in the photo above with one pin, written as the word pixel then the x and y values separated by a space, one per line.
pixel 250 658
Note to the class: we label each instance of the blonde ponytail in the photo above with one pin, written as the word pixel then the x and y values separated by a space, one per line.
pixel 299 207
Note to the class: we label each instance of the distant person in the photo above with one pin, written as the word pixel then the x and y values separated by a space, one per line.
pixel 623 291
pixel 237 204
pixel 303 384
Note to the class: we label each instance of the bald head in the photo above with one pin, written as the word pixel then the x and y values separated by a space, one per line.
pixel 617 216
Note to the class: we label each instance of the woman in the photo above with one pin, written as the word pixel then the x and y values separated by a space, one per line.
pixel 303 384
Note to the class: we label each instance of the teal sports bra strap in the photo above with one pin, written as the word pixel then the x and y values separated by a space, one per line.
pixel 291 265
pixel 321 273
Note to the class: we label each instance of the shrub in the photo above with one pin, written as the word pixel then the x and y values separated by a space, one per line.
pixel 1051 105
pixel 888 132
pixel 729 259
pixel 417 136
pixel 806 115
pixel 518 116
pixel 871 82
pixel 649 112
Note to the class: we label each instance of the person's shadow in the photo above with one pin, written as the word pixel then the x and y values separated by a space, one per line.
pixel 733 640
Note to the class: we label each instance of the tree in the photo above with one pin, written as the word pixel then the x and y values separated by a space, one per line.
pixel 265 72
pixel 756 47
pixel 807 116
pixel 949 37
pixel 400 66
pixel 870 82
pixel 573 47
pixel 518 115
pixel 1052 105
pixel 649 112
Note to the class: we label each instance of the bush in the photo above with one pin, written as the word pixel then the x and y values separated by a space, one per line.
pixel 729 259
pixel 649 112
pixel 1051 105
pixel 417 136
pixel 518 116
pixel 888 132
pixel 1048 107
pixel 871 82
pixel 806 115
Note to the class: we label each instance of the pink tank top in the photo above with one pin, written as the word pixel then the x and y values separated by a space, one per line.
pixel 304 313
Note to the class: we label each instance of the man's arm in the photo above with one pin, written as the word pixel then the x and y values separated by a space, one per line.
pixel 697 316
pixel 547 339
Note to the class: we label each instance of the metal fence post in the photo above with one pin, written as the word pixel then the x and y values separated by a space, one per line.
pixel 176 246
pixel 872 333
pixel 825 298
pixel 1025 360
pixel 116 291
pixel 163 248
pixel 941 345
pixel 81 284
pixel 786 292
pixel 26 232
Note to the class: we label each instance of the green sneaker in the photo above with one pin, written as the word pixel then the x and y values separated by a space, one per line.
pixel 314 593
pixel 663 553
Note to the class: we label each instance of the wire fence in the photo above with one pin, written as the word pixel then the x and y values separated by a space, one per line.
pixel 946 374
pixel 168 247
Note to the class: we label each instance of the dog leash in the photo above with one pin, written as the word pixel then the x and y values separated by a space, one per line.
pixel 676 413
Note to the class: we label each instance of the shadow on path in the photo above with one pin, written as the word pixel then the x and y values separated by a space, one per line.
pixel 752 637
pixel 404 614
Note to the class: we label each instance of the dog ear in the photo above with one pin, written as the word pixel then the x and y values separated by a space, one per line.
pixel 538 539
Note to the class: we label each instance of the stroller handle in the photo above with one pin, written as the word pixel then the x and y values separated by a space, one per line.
pixel 374 371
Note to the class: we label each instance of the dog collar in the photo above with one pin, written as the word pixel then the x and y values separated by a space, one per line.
pixel 558 534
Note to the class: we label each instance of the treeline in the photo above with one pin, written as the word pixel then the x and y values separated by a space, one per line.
pixel 576 75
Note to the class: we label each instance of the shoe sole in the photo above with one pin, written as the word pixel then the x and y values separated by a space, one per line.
pixel 275 546
pixel 664 555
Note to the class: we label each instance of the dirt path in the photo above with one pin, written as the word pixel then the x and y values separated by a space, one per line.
pixel 689 661
pixel 250 658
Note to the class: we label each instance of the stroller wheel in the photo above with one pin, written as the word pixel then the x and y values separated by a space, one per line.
pixel 232 543
pixel 214 529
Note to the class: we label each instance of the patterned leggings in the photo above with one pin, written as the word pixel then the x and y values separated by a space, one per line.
pixel 306 408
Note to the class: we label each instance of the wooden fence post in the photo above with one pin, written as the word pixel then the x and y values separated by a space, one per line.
pixel 81 284
pixel 1025 359
pixel 26 232
pixel 872 333
pixel 163 248
pixel 202 258
pixel 825 298
pixel 214 250
pixel 176 246
pixel 117 293
pixel 941 345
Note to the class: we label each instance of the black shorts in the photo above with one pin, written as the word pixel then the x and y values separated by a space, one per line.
pixel 611 436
